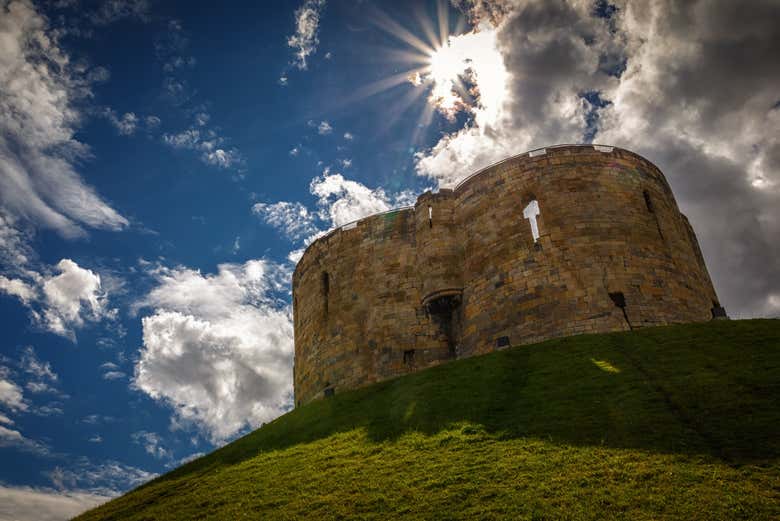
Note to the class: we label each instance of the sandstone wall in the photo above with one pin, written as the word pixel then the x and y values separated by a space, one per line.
pixel 461 273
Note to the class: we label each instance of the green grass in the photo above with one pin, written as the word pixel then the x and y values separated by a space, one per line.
pixel 679 422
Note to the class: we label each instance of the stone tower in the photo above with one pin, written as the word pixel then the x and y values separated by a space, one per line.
pixel 559 241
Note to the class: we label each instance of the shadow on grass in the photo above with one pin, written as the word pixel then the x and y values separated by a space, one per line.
pixel 694 389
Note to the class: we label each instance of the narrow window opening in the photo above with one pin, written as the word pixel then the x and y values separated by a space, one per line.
pixel 531 212
pixel 648 202
pixel 502 341
pixel 325 290
pixel 651 209
pixel 330 391
pixel 620 301
pixel 430 216
pixel 409 357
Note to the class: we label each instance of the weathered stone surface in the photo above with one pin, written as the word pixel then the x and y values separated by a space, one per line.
pixel 460 273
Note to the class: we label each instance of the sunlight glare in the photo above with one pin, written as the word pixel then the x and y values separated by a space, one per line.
pixel 475 56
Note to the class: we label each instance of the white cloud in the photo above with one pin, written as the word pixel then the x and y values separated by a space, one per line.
pixel 126 125
pixel 152 122
pixel 152 444
pixel 294 151
pixel 43 379
pixel 18 288
pixel 40 87
pixel 11 396
pixel 349 136
pixel 324 128
pixel 14 242
pixel 292 219
pixel 206 142
pixel 295 255
pixel 71 298
pixel 15 439
pixel 44 504
pixel 113 375
pixel 107 479
pixel 31 364
pixel 185 459
pixel 64 302
pixel 97 438
pixel 218 348
pixel 342 200
pixel 185 139
pixel 222 158
pixel 305 40
pixel 5 419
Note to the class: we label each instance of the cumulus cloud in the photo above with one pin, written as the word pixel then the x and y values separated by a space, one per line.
pixel 689 85
pixel 71 298
pixel 218 348
pixel 17 288
pixel 306 39
pixel 294 220
pixel 40 87
pixel 63 302
pixel 341 200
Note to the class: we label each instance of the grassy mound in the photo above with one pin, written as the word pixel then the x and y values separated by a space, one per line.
pixel 679 422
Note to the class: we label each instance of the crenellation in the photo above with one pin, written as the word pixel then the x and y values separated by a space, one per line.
pixel 461 273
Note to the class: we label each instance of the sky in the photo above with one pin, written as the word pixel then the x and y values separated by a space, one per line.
pixel 164 164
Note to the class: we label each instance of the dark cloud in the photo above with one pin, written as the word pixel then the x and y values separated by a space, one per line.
pixel 692 86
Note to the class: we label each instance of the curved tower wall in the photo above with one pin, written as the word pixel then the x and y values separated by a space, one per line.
pixel 416 287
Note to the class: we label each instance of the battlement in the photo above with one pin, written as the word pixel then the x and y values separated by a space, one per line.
pixel 554 242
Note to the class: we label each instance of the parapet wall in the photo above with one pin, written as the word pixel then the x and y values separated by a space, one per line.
pixel 461 273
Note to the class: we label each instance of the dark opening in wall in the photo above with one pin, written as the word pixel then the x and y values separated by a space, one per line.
pixel 620 301
pixel 445 311
pixel 502 341
pixel 325 291
pixel 409 357
pixel 330 391
pixel 718 311
pixel 648 202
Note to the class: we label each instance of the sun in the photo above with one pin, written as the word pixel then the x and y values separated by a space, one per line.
pixel 446 64
pixel 444 71
pixel 456 68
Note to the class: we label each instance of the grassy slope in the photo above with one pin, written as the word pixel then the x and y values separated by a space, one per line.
pixel 677 422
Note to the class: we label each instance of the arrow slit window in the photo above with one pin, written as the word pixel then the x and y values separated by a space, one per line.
pixel 531 212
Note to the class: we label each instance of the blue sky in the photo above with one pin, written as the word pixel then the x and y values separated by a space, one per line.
pixel 163 164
